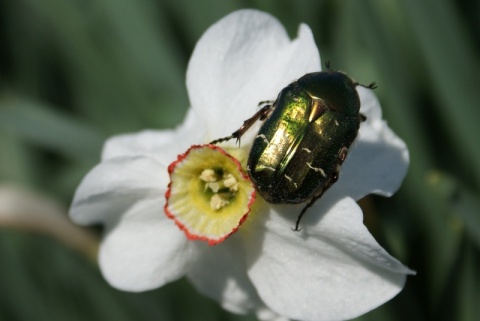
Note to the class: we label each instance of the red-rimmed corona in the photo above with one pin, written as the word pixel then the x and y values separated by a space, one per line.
pixel 209 195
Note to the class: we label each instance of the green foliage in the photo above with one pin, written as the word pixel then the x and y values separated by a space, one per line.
pixel 75 72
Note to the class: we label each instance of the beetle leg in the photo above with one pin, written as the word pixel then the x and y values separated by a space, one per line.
pixel 296 229
pixel 266 102
pixel 332 180
pixel 261 114
pixel 341 157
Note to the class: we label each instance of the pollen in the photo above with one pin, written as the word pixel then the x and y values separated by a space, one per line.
pixel 223 186
pixel 217 202
pixel 231 182
pixel 208 175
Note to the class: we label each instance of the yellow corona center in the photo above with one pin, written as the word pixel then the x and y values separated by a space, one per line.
pixel 222 186
pixel 209 194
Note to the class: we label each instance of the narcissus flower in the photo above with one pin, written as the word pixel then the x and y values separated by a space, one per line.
pixel 161 194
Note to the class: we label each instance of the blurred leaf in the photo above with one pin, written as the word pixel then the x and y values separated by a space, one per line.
pixel 15 165
pixel 468 291
pixel 462 204
pixel 365 23
pixel 120 66
pixel 442 237
pixel 26 210
pixel 42 125
pixel 449 54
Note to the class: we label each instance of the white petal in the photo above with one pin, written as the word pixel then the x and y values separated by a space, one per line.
pixel 241 60
pixel 378 159
pixel 114 185
pixel 164 145
pixel 332 270
pixel 144 249
pixel 220 274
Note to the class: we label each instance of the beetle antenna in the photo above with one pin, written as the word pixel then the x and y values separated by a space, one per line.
pixel 327 64
pixel 372 85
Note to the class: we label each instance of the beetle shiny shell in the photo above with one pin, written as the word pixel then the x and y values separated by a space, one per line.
pixel 297 153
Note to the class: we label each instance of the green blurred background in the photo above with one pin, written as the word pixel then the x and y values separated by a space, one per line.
pixel 73 73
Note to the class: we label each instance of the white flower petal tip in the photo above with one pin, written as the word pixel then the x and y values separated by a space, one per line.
pixel 245 58
pixel 209 195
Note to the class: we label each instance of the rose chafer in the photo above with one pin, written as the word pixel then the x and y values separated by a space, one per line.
pixel 307 131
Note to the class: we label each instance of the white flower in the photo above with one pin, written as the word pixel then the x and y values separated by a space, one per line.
pixel 333 269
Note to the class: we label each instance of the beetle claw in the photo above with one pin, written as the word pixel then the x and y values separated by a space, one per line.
pixel 297 224
pixel 217 141
pixel 296 228
pixel 265 102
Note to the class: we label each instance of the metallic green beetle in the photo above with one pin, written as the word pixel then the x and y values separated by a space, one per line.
pixel 297 153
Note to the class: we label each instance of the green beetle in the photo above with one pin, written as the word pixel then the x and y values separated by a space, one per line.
pixel 307 131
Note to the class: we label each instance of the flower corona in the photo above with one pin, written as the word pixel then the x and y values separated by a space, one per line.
pixel 209 195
